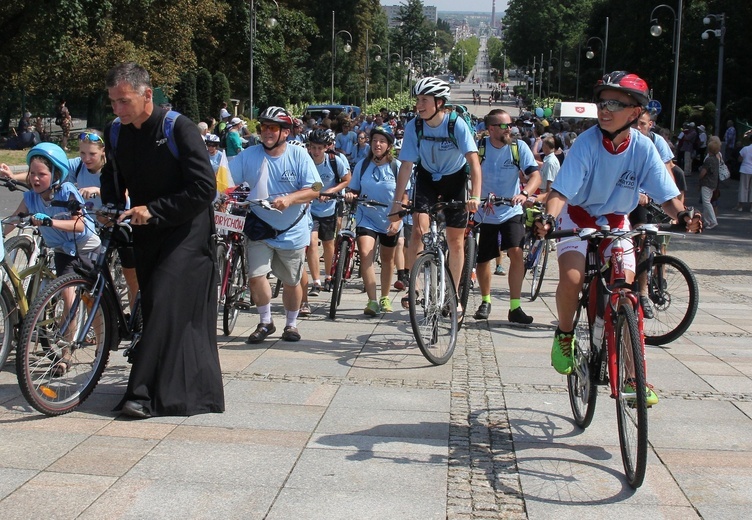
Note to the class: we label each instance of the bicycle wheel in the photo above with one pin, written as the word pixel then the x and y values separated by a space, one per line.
pixel 433 309
pixel 539 255
pixel 221 267
pixel 674 294
pixel 233 294
pixel 581 383
pixel 58 364
pixel 6 325
pixel 338 280
pixel 631 407
pixel 19 250
pixel 466 281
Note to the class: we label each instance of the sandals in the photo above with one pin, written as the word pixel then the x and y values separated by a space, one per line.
pixel 405 302
pixel 63 365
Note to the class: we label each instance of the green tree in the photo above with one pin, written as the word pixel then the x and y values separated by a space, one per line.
pixel 220 92
pixel 184 99
pixel 204 93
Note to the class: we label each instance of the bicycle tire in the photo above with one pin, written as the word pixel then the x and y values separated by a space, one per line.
pixel 36 364
pixel 221 251
pixel 631 409
pixel 471 255
pixel 19 250
pixel 581 383
pixel 234 291
pixel 538 269
pixel 434 322
pixel 674 294
pixel 6 325
pixel 338 281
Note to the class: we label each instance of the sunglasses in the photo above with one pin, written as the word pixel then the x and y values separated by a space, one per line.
pixel 612 105
pixel 212 144
pixel 88 136
pixel 503 126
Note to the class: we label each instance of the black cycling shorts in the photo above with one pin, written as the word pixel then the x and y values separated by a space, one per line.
pixel 384 239
pixel 500 237
pixel 325 226
pixel 448 188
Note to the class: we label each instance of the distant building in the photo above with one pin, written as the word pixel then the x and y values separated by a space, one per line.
pixel 393 11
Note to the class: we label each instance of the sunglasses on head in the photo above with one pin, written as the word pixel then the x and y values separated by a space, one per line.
pixel 88 136
pixel 612 105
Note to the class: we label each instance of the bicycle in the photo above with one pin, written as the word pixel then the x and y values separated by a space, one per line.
pixel 609 345
pixel 72 327
pixel 343 262
pixel 536 255
pixel 431 294
pixel 467 279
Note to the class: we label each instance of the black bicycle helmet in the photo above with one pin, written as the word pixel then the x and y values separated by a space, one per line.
pixel 320 136
pixel 277 115
pixel 380 130
pixel 431 86
pixel 621 81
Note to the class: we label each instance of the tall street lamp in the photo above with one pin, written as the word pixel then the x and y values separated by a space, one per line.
pixel 271 22
pixel 462 70
pixel 604 47
pixel 346 48
pixel 389 69
pixel 656 30
pixel 721 35
pixel 365 70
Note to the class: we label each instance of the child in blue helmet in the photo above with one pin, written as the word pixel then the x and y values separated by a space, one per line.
pixel 70 235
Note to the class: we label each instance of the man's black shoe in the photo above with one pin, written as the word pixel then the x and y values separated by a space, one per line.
pixel 519 316
pixel 136 409
pixel 483 311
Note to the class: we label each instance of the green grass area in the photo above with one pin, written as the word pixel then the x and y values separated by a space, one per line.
pixel 14 157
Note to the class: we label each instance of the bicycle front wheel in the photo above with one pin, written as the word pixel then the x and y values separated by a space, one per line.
pixel 466 281
pixel 674 295
pixel 631 402
pixel 338 281
pixel 539 254
pixel 433 309
pixel 6 325
pixel 221 250
pixel 235 288
pixel 581 383
pixel 60 360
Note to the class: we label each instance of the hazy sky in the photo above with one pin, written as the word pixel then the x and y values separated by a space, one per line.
pixel 455 5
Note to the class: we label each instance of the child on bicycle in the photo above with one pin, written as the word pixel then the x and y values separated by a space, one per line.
pixel 599 184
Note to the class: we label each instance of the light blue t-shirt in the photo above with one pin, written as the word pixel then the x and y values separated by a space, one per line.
pixel 360 152
pixel 663 148
pixel 273 177
pixel 501 177
pixel 82 177
pixel 215 160
pixel 328 177
pixel 346 142
pixel 378 183
pixel 64 241
pixel 438 157
pixel 602 183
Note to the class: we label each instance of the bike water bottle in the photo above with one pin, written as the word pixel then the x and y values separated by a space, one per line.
pixel 617 260
pixel 598 329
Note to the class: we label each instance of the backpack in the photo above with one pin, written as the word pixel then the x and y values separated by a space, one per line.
pixel 450 126
pixel 513 146
pixel 168 125
pixel 223 137
pixel 333 164
pixel 393 165
pixel 58 116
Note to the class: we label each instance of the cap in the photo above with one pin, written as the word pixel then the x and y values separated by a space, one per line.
pixel 235 121
pixel 701 127
pixel 691 125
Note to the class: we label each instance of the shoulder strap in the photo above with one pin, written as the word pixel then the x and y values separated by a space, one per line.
pixel 450 126
pixel 393 164
pixel 168 130
pixel 482 149
pixel 79 169
pixel 363 165
pixel 333 164
pixel 419 129
pixel 515 153
pixel 114 134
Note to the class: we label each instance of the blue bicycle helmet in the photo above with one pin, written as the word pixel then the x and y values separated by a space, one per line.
pixel 56 156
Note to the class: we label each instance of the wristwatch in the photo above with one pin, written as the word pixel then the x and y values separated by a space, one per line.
pixel 526 194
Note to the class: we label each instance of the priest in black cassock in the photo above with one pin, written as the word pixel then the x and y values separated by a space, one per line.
pixel 176 364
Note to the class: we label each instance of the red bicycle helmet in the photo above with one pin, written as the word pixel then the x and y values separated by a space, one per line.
pixel 630 84
pixel 277 115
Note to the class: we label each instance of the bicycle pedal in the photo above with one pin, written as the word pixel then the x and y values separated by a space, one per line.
pixel 243 306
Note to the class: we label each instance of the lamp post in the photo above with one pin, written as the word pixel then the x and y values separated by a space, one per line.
pixel 388 70
pixel 656 31
pixel 365 70
pixel 462 70
pixel 721 35
pixel 347 48
pixel 271 22
pixel 604 47
pixel 409 71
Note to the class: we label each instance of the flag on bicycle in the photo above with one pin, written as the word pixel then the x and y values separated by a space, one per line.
pixel 224 179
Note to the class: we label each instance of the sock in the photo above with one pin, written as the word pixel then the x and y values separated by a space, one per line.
pixel 291 318
pixel 265 313
pixel 514 303
pixel 486 298
pixel 316 282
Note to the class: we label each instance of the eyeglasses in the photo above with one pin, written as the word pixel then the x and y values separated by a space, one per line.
pixel 362 138
pixel 88 136
pixel 212 144
pixel 264 127
pixel 612 105
pixel 502 126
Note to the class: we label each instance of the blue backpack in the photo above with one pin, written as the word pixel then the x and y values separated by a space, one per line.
pixel 168 132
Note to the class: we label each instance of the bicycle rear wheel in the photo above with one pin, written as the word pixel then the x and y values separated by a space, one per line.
pixel 581 383
pixel 235 287
pixel 6 325
pixel 466 281
pixel 433 309
pixel 631 406
pixel 674 294
pixel 222 267
pixel 539 254
pixel 59 364
pixel 338 281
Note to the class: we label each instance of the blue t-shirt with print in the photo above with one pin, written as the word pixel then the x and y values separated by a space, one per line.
pixel 272 177
pixel 54 238
pixel 346 142
pixel 377 183
pixel 602 183
pixel 438 157
pixel 82 177
pixel 328 177
pixel 663 148
pixel 500 176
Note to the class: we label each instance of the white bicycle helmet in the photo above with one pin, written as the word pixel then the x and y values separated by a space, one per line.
pixel 276 115
pixel 431 86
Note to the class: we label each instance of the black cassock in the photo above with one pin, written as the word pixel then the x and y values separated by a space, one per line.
pixel 176 366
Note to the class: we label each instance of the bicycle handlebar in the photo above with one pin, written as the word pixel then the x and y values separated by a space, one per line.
pixel 13 185
pixel 362 199
pixel 607 232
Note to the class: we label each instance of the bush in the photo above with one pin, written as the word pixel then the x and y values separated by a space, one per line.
pixel 220 92
pixel 204 93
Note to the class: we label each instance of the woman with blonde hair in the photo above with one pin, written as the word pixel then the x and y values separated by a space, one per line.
pixel 709 181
